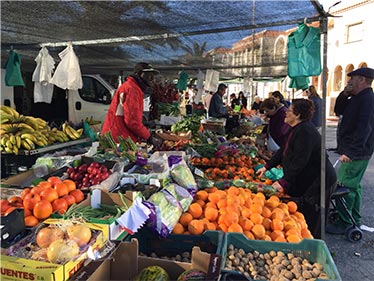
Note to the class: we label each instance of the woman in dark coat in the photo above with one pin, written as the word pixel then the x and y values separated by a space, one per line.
pixel 300 158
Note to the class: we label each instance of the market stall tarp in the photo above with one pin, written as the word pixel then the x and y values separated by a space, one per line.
pixel 109 36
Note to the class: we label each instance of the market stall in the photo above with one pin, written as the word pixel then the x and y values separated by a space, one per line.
pixel 199 192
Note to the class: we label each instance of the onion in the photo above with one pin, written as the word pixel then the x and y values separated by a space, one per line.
pixel 80 233
pixel 47 235
pixel 61 251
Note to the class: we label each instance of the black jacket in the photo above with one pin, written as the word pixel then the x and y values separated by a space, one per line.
pixel 301 162
pixel 356 132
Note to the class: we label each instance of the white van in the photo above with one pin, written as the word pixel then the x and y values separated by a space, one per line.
pixel 74 105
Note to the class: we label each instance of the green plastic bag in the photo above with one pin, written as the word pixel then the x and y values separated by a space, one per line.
pixel 304 52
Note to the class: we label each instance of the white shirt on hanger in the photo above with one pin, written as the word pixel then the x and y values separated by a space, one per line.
pixel 43 89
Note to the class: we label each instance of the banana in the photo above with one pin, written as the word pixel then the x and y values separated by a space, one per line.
pixel 5 118
pixel 25 126
pixel 9 110
pixel 9 144
pixel 25 145
pixel 8 150
pixel 74 132
pixel 29 136
pixel 30 143
pixel 13 139
pixel 15 150
pixel 69 132
pixel 80 132
pixel 18 141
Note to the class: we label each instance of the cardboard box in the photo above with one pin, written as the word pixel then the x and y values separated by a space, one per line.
pixel 22 179
pixel 15 268
pixel 125 264
pixel 115 230
pixel 166 135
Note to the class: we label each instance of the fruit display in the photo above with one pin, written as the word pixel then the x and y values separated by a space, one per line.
pixel 40 201
pixel 26 132
pixel 87 175
pixel 239 210
pixel 153 273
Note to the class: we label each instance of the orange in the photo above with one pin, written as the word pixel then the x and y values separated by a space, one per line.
pixel 277 224
pixel 221 203
pixel 261 195
pixel 292 207
pixel 185 219
pixel 293 231
pixel 255 208
pixel 258 230
pixel 246 212
pixel 258 200
pixel 196 227
pixel 305 233
pixel 211 205
pixel 235 227
pixel 211 214
pixel 214 197
pixel 42 209
pixel 70 184
pixel 275 234
pixel 277 213
pixel 293 238
pixel 233 190
pixel 280 239
pixel 49 194
pixel 230 218
pixel 266 213
pixel 210 226
pixel 266 238
pixel 202 195
pixel 267 223
pixel 273 202
pixel 222 227
pixel 249 235
pixel 178 229
pixel 195 210
pixel 45 184
pixel 200 202
pixel 256 218
pixel 246 224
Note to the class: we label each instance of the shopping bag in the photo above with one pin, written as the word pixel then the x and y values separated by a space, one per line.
pixel 271 144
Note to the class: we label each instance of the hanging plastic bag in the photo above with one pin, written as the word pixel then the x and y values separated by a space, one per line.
pixel 271 144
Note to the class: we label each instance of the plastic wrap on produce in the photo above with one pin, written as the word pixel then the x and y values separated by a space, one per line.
pixel 113 180
pixel 135 217
pixel 165 212
pixel 181 173
pixel 181 194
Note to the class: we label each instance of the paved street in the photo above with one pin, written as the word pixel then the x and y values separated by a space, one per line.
pixel 355 261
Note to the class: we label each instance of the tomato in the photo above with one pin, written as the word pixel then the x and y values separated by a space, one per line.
pixel 70 199
pixel 45 184
pixel 70 184
pixel 54 180
pixel 60 206
pixel 49 194
pixel 78 195
pixel 10 209
pixel 42 209
pixel 27 212
pixel 30 200
pixel 24 192
pixel 4 205
pixel 37 189
pixel 62 189
pixel 31 221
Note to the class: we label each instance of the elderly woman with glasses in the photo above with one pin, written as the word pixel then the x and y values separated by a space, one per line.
pixel 300 158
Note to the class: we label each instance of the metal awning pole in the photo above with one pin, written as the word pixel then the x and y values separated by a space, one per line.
pixel 323 24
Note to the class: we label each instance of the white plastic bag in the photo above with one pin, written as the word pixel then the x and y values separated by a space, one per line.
pixel 272 145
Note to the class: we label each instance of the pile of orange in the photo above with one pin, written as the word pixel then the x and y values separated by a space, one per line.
pixel 237 209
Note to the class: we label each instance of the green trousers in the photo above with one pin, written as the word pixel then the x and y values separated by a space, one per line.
pixel 350 175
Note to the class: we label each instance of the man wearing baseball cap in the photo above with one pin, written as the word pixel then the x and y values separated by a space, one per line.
pixel 356 144
pixel 125 115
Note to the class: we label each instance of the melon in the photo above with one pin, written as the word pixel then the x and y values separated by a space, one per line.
pixel 192 274
pixel 152 273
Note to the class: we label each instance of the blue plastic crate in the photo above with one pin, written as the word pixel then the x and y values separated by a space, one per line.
pixel 312 249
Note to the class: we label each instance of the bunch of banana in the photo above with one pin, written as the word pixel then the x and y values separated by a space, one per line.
pixel 10 143
pixel 71 132
pixel 57 135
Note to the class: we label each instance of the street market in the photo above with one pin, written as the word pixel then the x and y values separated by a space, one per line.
pixel 160 173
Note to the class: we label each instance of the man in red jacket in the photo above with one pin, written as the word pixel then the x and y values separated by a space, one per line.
pixel 125 113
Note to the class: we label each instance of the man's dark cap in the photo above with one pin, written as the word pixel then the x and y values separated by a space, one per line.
pixel 144 67
pixel 222 86
pixel 364 71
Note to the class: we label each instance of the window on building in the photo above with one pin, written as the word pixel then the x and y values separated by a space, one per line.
pixel 355 32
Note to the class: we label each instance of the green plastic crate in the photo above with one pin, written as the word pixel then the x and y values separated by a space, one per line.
pixel 312 249
pixel 209 242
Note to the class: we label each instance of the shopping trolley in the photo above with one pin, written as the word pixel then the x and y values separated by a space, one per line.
pixel 353 232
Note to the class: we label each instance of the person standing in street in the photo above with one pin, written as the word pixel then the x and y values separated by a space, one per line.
pixel 317 102
pixel 356 144
pixel 125 115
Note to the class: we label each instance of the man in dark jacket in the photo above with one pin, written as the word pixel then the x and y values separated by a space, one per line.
pixel 356 144
pixel 216 107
